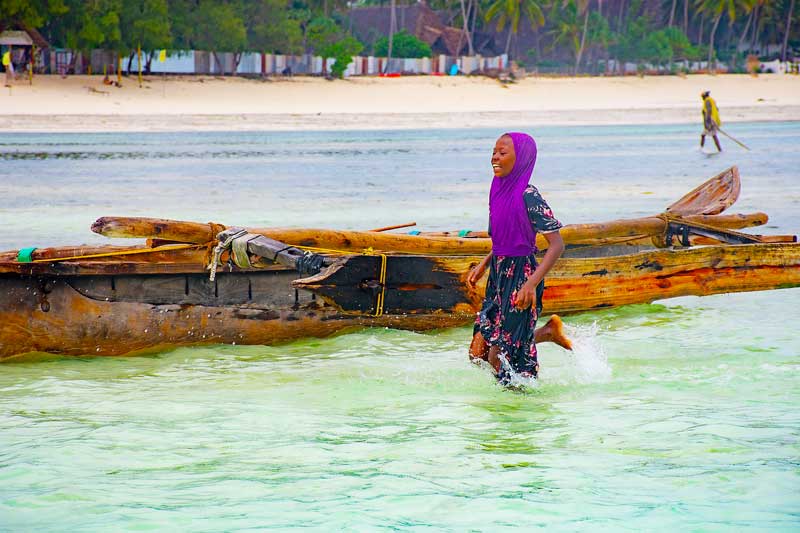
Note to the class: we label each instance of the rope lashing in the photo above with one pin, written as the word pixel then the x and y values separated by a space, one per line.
pixel 221 247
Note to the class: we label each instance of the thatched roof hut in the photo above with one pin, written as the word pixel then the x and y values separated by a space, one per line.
pixel 371 22
pixel 22 36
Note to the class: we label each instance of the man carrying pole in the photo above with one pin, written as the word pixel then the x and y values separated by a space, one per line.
pixel 711 121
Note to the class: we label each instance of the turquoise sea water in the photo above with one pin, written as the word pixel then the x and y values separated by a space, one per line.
pixel 678 415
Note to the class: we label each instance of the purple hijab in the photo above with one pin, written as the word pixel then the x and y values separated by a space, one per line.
pixel 512 234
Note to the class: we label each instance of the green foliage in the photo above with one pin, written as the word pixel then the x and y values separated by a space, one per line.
pixel 34 13
pixel 181 18
pixel 327 39
pixel 637 33
pixel 681 45
pixel 219 27
pixel 656 48
pixel 403 45
pixel 342 51
pixel 93 24
pixel 567 26
pixel 322 32
pixel 145 23
pixel 271 27
pixel 626 45
pixel 511 11
pixel 599 33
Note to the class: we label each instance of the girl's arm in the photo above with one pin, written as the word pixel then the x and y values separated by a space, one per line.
pixel 477 273
pixel 526 296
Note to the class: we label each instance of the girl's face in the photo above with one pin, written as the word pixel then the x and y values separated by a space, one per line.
pixel 503 157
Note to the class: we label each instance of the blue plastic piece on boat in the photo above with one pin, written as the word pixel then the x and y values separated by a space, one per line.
pixel 464 232
pixel 414 232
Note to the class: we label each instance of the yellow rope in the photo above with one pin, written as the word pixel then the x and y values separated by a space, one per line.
pixel 165 248
pixel 382 281
pixel 322 250
pixel 366 251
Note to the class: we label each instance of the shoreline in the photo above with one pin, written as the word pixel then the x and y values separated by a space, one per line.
pixel 202 103
pixel 142 123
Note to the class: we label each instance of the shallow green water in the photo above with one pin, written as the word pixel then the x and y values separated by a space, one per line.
pixel 680 415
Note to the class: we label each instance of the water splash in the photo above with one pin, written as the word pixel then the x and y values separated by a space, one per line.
pixel 586 363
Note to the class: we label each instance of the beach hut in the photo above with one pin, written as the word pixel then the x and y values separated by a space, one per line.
pixel 27 46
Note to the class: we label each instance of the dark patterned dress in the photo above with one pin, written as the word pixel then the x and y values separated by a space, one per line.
pixel 499 321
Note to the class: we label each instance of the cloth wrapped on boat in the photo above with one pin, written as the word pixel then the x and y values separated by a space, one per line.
pixel 239 253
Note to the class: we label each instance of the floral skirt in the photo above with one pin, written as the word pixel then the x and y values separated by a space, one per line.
pixel 502 324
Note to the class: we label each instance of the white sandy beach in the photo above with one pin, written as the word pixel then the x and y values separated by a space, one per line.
pixel 83 103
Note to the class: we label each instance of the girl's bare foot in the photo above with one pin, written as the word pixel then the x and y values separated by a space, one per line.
pixel 553 331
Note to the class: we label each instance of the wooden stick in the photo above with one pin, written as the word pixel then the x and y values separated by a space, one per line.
pixel 398 226
pixel 733 139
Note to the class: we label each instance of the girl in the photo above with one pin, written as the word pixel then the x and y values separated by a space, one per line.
pixel 505 332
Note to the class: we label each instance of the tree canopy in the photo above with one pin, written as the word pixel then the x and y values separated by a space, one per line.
pixel 576 35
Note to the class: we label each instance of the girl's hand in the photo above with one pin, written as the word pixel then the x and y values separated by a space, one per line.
pixel 526 296
pixel 475 274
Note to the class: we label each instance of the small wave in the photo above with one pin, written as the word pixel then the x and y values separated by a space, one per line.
pixel 586 363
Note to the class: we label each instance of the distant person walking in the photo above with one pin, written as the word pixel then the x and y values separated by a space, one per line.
pixel 8 63
pixel 711 121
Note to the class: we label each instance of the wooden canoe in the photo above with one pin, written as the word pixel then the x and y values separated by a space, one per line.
pixel 111 300
pixel 119 307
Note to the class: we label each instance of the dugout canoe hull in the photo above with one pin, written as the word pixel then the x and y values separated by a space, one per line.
pixel 116 308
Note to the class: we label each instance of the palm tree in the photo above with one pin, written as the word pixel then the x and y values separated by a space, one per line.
pixel 583 9
pixel 751 10
pixel 510 11
pixel 788 28
pixel 465 21
pixel 392 29
pixel 672 12
pixel 717 8
pixel 566 26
